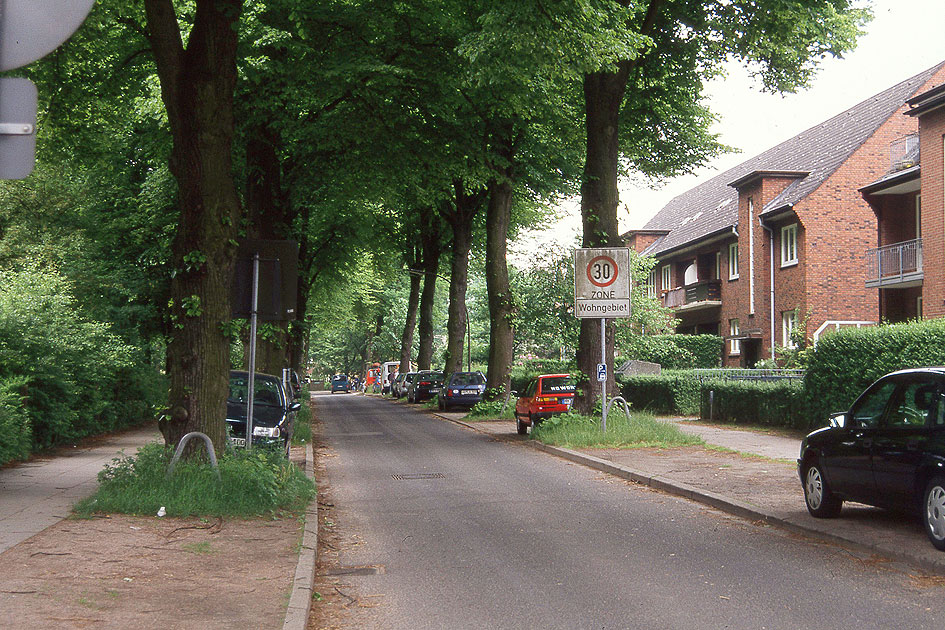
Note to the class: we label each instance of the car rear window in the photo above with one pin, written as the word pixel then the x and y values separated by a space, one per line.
pixel 557 385
pixel 467 378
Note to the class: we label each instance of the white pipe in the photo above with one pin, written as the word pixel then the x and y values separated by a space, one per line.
pixel 770 232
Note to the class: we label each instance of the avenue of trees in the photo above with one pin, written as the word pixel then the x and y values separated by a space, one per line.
pixel 401 144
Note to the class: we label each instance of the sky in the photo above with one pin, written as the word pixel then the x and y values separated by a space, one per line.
pixel 903 39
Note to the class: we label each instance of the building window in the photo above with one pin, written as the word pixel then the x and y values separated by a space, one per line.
pixel 789 245
pixel 788 324
pixel 651 284
pixel 665 278
pixel 734 345
pixel 718 266
pixel 733 261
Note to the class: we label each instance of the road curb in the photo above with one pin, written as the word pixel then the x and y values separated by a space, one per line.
pixel 300 601
pixel 723 503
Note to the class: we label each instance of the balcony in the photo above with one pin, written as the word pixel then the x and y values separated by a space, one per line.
pixel 896 266
pixel 696 296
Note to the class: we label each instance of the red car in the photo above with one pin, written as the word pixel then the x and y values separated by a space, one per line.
pixel 544 397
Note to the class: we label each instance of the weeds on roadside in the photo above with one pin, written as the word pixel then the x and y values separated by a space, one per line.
pixel 640 430
pixel 251 483
pixel 302 430
pixel 492 410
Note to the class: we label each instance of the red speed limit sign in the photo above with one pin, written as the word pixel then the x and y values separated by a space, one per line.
pixel 602 282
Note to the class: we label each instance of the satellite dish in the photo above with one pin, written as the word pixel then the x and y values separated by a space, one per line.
pixel 31 29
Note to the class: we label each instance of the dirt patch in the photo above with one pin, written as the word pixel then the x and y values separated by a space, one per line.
pixel 147 572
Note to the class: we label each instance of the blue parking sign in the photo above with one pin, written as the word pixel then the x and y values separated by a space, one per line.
pixel 601 372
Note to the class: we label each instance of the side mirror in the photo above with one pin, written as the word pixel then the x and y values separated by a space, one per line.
pixel 295 406
pixel 838 420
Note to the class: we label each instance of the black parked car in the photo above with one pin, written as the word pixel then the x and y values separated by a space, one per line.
pixel 462 389
pixel 888 450
pixel 273 412
pixel 426 384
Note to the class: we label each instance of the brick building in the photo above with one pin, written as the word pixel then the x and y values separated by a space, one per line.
pixel 780 241
pixel 908 264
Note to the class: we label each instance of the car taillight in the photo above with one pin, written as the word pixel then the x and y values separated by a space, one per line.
pixel 546 399
pixel 423 383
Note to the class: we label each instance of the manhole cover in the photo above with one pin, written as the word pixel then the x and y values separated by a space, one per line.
pixel 419 476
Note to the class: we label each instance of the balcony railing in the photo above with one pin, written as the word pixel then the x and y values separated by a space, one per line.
pixel 899 264
pixel 705 293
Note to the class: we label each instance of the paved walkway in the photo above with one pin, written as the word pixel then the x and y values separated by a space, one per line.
pixel 41 492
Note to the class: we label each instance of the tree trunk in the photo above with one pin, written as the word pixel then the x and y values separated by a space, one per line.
pixel 603 94
pixel 460 218
pixel 270 218
pixel 501 307
pixel 197 86
pixel 406 340
pixel 432 248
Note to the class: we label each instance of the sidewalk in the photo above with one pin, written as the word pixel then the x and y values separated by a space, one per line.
pixel 756 479
pixel 41 492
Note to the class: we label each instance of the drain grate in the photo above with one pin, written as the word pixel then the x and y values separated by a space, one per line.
pixel 418 476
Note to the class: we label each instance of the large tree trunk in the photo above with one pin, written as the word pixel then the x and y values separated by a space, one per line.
pixel 270 218
pixel 603 94
pixel 197 86
pixel 432 248
pixel 501 307
pixel 413 302
pixel 460 218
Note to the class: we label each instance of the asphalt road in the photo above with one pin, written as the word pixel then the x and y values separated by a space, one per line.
pixel 469 532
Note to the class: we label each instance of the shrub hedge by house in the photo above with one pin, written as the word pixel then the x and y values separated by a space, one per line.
pixel 777 403
pixel 675 352
pixel 844 363
pixel 670 393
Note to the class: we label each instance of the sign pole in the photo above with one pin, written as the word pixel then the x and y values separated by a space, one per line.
pixel 603 383
pixel 253 315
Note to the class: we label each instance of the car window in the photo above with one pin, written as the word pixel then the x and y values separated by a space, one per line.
pixel 467 378
pixel 916 404
pixel 532 387
pixel 268 391
pixel 868 410
pixel 557 385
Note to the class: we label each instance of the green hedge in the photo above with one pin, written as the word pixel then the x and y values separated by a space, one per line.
pixel 844 363
pixel 778 403
pixel 670 393
pixel 675 352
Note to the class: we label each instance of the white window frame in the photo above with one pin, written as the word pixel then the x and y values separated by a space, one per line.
pixel 718 265
pixel 651 291
pixel 789 245
pixel 735 346
pixel 733 261
pixel 666 278
pixel 788 324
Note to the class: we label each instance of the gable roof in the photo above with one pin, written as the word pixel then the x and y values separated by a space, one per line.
pixel 712 207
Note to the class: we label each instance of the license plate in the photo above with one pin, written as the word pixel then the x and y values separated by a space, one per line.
pixel 434 390
pixel 238 441
pixel 466 393
pixel 568 401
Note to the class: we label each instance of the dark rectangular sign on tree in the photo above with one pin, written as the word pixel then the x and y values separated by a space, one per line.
pixel 278 279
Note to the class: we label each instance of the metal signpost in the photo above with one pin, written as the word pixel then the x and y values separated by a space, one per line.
pixel 29 30
pixel 602 289
pixel 273 300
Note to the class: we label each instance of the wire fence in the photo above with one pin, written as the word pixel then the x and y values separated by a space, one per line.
pixel 747 375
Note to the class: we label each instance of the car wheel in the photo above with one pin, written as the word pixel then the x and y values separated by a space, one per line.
pixel 821 503
pixel 934 511
pixel 520 427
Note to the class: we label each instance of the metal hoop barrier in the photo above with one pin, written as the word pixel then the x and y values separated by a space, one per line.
pixel 180 449
pixel 626 410
pixel 505 405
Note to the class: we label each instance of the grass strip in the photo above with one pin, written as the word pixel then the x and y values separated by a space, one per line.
pixel 639 430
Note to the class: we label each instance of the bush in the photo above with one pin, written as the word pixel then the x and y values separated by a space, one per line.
pixel 778 403
pixel 676 352
pixel 670 393
pixel 76 377
pixel 844 363
pixel 15 428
